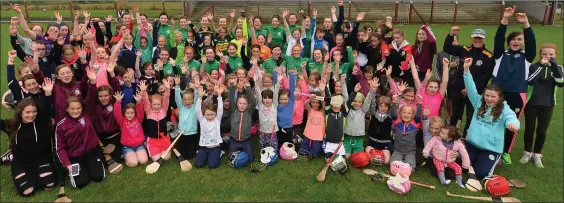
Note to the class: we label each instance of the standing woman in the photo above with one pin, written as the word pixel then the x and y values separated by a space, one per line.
pixel 161 27
pixel 276 32
pixel 424 50
pixel 512 68
pixel 30 133
pixel 544 77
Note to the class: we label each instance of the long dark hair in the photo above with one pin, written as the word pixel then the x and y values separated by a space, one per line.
pixel 14 123
pixel 498 108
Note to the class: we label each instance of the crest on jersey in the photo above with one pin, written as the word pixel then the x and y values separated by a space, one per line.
pixel 81 121
pixel 110 108
pixel 76 92
pixel 479 63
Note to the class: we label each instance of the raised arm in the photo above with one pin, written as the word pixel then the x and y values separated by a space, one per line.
pixel 414 73
pixel 286 26
pixel 118 47
pixel 199 114
pixel 444 81
pixel 340 19
pixel 23 22
pixel 230 26
pixel 117 109
pixel 530 41
pixel 448 47
pixel 253 32
pixel 473 95
pixel 499 40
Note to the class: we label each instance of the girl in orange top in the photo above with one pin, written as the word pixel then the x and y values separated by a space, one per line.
pixel 315 127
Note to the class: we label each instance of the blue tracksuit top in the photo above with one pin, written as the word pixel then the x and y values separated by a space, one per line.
pixel 511 70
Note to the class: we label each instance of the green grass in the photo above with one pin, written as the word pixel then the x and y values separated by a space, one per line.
pixel 294 180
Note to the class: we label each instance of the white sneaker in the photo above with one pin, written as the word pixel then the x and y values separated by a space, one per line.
pixel 526 157
pixel 538 161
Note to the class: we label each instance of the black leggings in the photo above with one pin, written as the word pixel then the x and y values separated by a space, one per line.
pixel 188 145
pixel 533 114
pixel 284 135
pixel 458 102
pixel 91 168
pixel 115 140
pixel 516 102
pixel 35 175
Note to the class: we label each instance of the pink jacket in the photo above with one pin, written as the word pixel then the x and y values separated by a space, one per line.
pixel 299 104
pixel 131 130
pixel 161 114
pixel 441 152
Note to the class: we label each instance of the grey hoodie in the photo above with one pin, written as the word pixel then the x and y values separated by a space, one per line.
pixel 241 121
pixel 355 123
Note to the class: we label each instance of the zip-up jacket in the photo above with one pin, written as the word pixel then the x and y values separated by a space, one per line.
pixel 482 65
pixel 512 67
pixel 543 80
pixel 187 119
pixel 74 137
pixel 131 130
pixel 155 124
pixel 404 133
pixel 241 121
pixel 102 115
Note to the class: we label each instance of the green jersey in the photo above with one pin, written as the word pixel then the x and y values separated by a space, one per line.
pixel 211 65
pixel 147 52
pixel 235 62
pixel 270 64
pixel 315 65
pixel 278 34
pixel 184 32
pixel 293 63
pixel 222 44
pixel 192 64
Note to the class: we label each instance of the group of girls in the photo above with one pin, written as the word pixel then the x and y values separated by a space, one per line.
pixel 316 86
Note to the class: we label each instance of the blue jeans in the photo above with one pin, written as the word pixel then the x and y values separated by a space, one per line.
pixel 311 146
pixel 483 161
pixel 127 149
pixel 245 146
pixel 208 155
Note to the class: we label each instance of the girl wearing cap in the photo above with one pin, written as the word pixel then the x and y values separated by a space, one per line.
pixel 481 70
pixel 512 68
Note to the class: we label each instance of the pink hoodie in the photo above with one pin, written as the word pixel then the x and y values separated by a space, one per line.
pixel 441 152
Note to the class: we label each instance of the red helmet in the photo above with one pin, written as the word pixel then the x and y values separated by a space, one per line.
pixel 496 185
pixel 360 159
pixel 377 157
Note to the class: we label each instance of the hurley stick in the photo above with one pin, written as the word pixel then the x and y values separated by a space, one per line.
pixel 491 199
pixel 473 184
pixel 185 165
pixel 154 167
pixel 321 176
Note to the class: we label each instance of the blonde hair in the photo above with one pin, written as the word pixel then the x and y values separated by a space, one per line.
pixel 436 120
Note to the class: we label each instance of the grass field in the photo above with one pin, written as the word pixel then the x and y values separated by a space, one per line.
pixel 294 180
